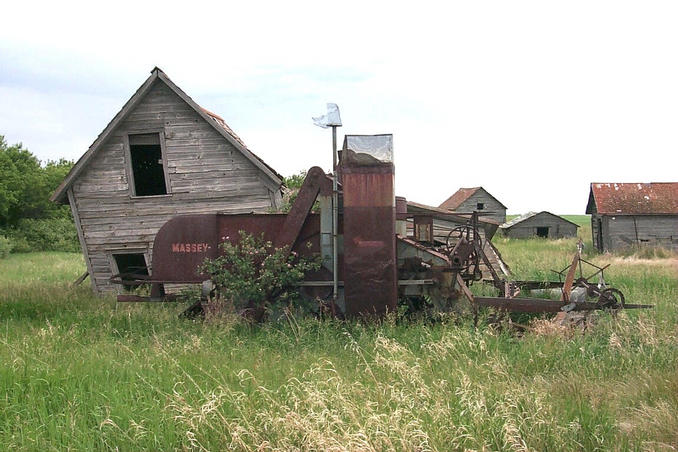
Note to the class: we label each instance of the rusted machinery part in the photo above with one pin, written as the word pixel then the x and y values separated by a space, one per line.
pixel 316 182
pixel 463 252
pixel 453 238
pixel 611 298
pixel 537 305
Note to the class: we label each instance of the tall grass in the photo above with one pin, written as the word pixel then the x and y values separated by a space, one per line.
pixel 81 373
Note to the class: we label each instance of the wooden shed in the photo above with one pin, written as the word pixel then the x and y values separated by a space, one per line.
pixel 469 200
pixel 624 214
pixel 440 223
pixel 539 224
pixel 162 155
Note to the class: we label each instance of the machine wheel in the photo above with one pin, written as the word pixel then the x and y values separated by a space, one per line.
pixel 453 237
pixel 611 298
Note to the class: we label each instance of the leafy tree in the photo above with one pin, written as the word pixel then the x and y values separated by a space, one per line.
pixel 26 185
pixel 293 183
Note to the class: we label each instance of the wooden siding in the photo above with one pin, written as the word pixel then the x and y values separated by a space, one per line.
pixel 206 174
pixel 623 230
pixel 558 227
pixel 495 211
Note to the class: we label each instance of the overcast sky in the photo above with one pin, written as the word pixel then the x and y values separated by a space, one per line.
pixel 533 100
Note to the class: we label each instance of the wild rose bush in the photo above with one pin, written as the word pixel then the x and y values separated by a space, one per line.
pixel 253 274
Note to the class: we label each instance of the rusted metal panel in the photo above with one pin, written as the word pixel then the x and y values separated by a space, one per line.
pixel 313 183
pixel 181 245
pixel 186 241
pixel 633 198
pixel 537 305
pixel 401 208
pixel 370 274
pixel 534 305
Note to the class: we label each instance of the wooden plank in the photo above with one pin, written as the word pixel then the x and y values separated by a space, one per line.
pixel 81 237
pixel 82 162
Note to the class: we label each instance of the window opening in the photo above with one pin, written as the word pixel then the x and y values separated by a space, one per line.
pixel 130 267
pixel 148 171
pixel 543 232
pixel 480 206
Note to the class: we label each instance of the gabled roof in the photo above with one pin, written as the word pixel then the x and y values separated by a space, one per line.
pixel 529 215
pixel 442 214
pixel 214 120
pixel 461 195
pixel 655 198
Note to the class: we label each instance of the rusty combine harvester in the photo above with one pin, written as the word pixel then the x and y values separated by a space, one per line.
pixel 377 262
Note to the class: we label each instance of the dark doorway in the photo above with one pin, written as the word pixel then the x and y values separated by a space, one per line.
pixel 130 266
pixel 543 232
pixel 147 164
pixel 599 236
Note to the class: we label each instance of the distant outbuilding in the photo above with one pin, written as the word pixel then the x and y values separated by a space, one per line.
pixel 539 224
pixel 624 214
pixel 476 199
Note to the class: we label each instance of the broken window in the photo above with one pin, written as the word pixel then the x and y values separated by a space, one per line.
pixel 131 266
pixel 480 206
pixel 543 232
pixel 148 170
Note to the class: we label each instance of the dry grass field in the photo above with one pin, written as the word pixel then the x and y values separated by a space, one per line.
pixel 80 373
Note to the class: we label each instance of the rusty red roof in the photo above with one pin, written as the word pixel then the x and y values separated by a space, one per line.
pixel 458 197
pixel 461 195
pixel 654 198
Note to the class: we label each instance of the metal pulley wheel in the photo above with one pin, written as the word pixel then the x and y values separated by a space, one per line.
pixel 611 298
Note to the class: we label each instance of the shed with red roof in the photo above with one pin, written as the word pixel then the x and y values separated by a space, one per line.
pixel 624 214
pixel 476 199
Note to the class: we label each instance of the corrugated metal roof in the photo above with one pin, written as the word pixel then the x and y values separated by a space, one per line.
pixel 526 216
pixel 634 198
pixel 518 219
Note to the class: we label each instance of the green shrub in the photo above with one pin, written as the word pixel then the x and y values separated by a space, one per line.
pixel 5 246
pixel 55 234
pixel 253 275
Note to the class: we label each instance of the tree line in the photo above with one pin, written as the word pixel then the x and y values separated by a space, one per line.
pixel 29 221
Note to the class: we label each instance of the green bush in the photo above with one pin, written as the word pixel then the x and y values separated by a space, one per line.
pixel 251 275
pixel 55 234
pixel 5 246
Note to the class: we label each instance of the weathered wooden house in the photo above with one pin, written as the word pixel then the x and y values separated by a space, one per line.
pixel 162 155
pixel 539 224
pixel 468 200
pixel 624 214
